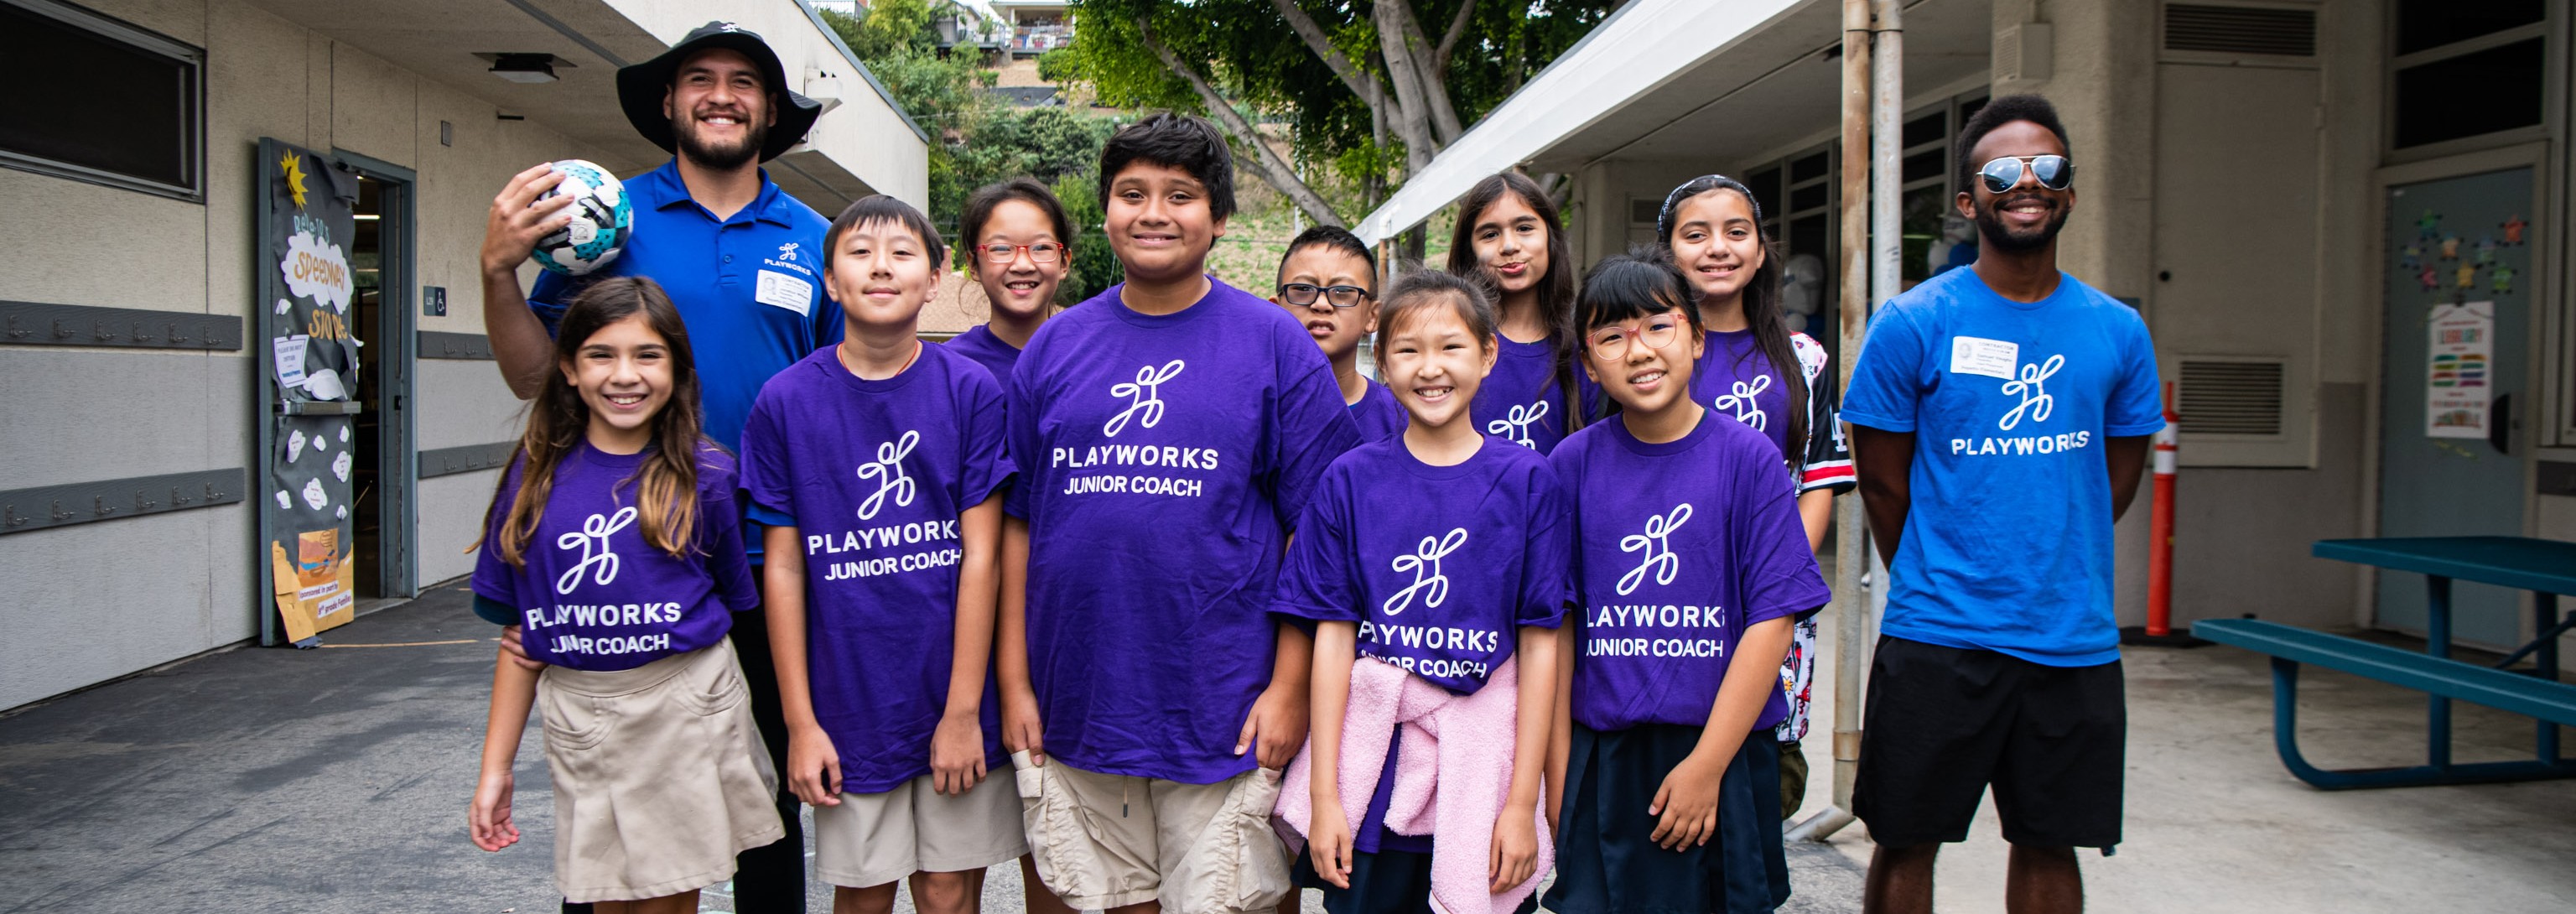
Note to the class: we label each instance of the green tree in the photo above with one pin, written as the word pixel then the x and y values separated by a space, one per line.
pixel 978 140
pixel 1362 85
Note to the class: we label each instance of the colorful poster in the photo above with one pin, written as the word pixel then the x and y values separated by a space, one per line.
pixel 305 272
pixel 2459 369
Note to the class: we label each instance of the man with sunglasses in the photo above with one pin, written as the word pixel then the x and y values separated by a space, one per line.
pixel 2000 418
pixel 1328 282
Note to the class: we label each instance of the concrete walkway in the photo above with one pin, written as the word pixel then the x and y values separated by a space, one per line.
pixel 336 780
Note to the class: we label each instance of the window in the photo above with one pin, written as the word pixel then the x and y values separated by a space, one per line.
pixel 2467 70
pixel 121 106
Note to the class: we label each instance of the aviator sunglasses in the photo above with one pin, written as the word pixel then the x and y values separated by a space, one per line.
pixel 2053 171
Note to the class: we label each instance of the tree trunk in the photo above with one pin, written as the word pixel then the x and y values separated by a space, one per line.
pixel 1403 69
pixel 1435 79
pixel 1267 163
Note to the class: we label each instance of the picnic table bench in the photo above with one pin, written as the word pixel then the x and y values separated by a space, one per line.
pixel 2545 567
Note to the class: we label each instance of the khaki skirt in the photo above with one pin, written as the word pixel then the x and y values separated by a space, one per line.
pixel 659 776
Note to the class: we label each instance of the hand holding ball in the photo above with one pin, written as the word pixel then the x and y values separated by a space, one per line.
pixel 602 219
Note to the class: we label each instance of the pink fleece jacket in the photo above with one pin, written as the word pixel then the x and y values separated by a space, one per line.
pixel 1452 778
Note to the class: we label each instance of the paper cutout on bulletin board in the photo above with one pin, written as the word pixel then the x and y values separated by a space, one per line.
pixel 2459 365
pixel 317 587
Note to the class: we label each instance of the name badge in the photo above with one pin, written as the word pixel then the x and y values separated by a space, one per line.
pixel 1976 355
pixel 784 291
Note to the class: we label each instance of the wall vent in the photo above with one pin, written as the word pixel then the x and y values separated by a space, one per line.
pixel 1644 210
pixel 2024 51
pixel 2240 30
pixel 2224 395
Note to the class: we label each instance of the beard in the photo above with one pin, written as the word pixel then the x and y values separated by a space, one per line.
pixel 1990 224
pixel 712 157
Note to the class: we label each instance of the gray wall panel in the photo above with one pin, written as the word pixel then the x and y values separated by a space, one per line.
pixel 95 601
pixel 451 518
pixel 2241 536
pixel 76 415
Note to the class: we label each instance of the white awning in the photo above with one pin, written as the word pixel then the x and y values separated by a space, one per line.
pixel 1641 48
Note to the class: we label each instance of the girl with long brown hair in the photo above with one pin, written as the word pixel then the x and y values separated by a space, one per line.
pixel 1509 232
pixel 614 541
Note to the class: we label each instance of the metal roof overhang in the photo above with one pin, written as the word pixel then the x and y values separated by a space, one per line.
pixel 1714 81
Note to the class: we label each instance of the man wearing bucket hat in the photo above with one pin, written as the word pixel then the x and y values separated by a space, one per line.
pixel 741 259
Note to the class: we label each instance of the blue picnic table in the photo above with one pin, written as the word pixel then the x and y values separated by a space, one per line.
pixel 2547 568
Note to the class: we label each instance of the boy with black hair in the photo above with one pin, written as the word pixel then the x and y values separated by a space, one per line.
pixel 1328 283
pixel 1999 419
pixel 1170 429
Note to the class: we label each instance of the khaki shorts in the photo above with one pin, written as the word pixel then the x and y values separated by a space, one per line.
pixel 659 776
pixel 1104 841
pixel 877 838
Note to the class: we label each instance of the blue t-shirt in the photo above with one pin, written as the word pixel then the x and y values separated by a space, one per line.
pixel 749 287
pixel 1679 547
pixel 1379 415
pixel 2007 543
pixel 1162 460
pixel 979 343
pixel 874 475
pixel 591 591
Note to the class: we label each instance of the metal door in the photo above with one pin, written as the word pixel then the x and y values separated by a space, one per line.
pixel 304 393
pixel 2458 288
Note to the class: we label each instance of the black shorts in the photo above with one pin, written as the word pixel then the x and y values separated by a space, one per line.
pixel 1945 722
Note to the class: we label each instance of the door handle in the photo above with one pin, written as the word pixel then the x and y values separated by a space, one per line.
pixel 2500 423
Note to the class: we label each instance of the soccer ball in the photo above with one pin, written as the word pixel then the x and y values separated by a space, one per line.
pixel 601 220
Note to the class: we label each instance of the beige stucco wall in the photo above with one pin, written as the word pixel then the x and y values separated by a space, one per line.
pixel 94 601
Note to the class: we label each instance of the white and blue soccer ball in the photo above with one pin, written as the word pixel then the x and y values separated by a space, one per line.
pixel 602 219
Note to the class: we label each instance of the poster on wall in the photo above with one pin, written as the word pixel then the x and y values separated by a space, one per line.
pixel 307 282
pixel 2458 369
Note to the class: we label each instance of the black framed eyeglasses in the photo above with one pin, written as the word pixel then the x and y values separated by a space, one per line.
pixel 1303 294
pixel 1000 252
pixel 2053 171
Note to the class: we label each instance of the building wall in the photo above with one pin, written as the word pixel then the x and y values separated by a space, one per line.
pixel 94 601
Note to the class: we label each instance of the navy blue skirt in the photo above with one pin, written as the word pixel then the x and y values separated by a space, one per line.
pixel 1606 865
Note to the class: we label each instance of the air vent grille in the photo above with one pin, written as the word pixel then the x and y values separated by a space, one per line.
pixel 2240 30
pixel 2231 396
pixel 1643 211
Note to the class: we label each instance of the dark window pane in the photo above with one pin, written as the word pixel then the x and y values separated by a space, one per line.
pixel 1806 198
pixel 91 101
pixel 1813 166
pixel 1928 128
pixel 1766 189
pixel 1921 223
pixel 1807 236
pixel 2425 24
pixel 2495 89
pixel 1925 164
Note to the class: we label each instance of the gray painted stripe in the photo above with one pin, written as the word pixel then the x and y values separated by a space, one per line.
pixel 29 323
pixel 568 32
pixel 441 345
pixel 449 461
pixel 46 507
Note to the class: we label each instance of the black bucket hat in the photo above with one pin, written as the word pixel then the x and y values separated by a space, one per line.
pixel 641 87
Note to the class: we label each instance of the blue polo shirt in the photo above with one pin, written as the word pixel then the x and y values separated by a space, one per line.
pixel 749 287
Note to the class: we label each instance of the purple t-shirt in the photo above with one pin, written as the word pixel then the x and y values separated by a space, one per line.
pixel 979 343
pixel 1384 533
pixel 592 593
pixel 1521 400
pixel 1163 459
pixel 1679 547
pixel 874 474
pixel 1379 415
